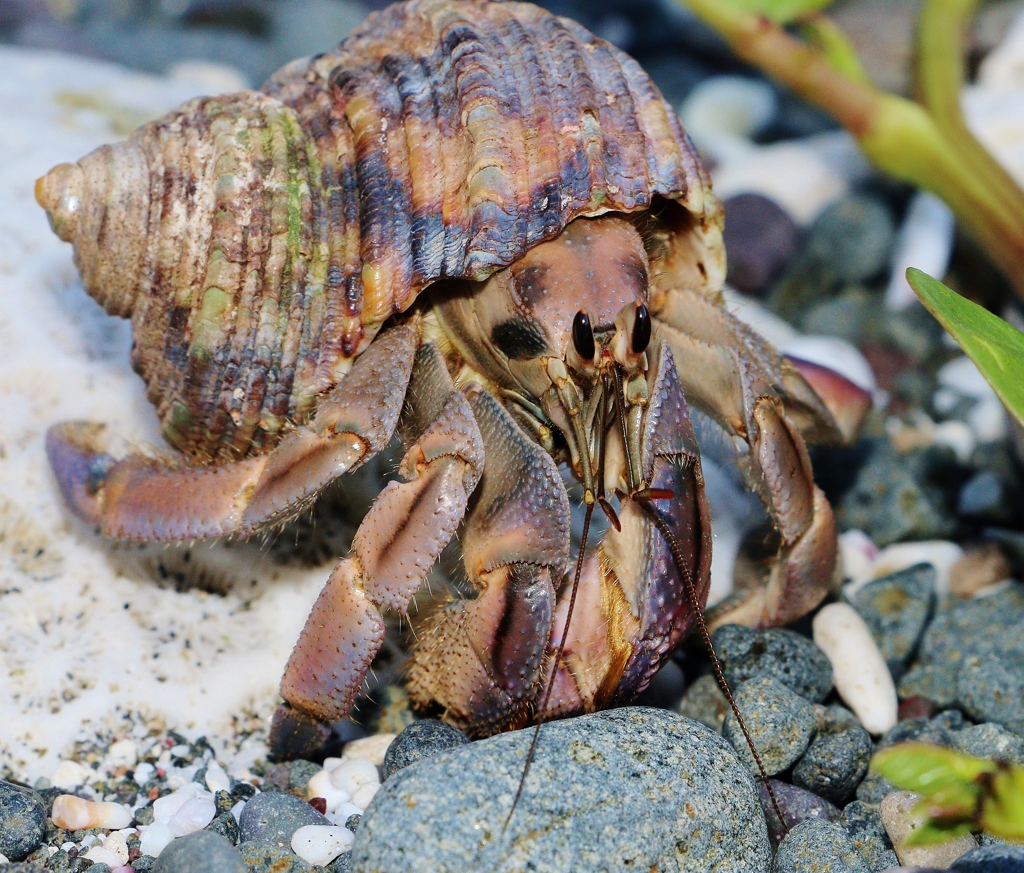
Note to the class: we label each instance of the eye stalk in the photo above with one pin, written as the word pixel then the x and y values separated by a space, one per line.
pixel 583 336
pixel 641 330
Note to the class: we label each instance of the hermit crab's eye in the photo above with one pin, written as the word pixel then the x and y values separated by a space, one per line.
pixel 583 336
pixel 641 330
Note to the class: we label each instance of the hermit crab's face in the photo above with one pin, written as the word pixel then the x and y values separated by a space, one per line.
pixel 564 332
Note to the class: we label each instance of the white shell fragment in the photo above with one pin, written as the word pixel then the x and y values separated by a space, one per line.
pixel 193 815
pixel 155 839
pixel 164 808
pixel 99 855
pixel 859 671
pixel 941 554
pixel 320 786
pixel 216 778
pixel 353 773
pixel 71 774
pixel 321 844
pixel 365 794
pixel 371 748
pixel 75 814
pixel 925 241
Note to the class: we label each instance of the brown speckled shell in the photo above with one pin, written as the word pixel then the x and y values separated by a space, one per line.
pixel 444 138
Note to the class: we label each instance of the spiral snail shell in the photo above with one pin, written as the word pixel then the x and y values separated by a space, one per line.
pixel 258 240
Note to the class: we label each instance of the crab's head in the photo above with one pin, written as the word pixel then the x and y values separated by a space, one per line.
pixel 564 332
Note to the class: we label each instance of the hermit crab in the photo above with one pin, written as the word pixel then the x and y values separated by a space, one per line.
pixel 479 226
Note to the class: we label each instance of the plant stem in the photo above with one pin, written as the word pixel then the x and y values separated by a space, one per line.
pixel 895 134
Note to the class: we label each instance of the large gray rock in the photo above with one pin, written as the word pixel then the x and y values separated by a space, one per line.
pixel 631 789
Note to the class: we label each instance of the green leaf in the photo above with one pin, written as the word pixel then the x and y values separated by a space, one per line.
pixel 779 11
pixel 927 770
pixel 824 33
pixel 996 347
pixel 932 832
pixel 1002 810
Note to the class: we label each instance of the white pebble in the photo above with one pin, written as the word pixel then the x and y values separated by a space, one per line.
pixel 365 794
pixel 371 748
pixel 836 354
pixel 165 807
pixel 321 844
pixel 74 814
pixel 71 774
pixel 4 859
pixel 901 819
pixel 122 752
pixel 352 773
pixel 155 838
pixel 193 815
pixel 963 376
pixel 341 814
pixel 320 785
pixel 99 855
pixel 216 778
pixel 731 105
pixel 925 241
pixel 117 843
pixel 143 773
pixel 859 671
pixel 236 810
pixel 941 554
pixel 857 554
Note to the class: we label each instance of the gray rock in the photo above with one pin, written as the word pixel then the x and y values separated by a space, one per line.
pixel 835 763
pixel 200 852
pixel 632 788
pixel 934 682
pixel 782 655
pixel 821 846
pixel 924 730
pixel 991 859
pixel 864 826
pixel 989 740
pixel 224 825
pixel 704 702
pixel 760 237
pixel 22 821
pixel 896 497
pixel 796 805
pixel 897 609
pixel 989 689
pixel 273 817
pixel 421 739
pixel 874 789
pixel 780 723
pixel 270 858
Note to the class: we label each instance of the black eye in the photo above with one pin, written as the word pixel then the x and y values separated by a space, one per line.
pixel 583 336
pixel 641 329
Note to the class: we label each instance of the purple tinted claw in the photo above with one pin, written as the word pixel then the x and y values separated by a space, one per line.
pixel 79 466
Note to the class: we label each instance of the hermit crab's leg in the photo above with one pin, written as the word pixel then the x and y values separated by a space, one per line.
pixel 138 498
pixel 632 608
pixel 481 659
pixel 409 524
pixel 755 396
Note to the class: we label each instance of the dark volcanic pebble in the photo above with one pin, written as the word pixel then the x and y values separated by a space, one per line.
pixel 896 609
pixel 989 741
pixel 633 788
pixel 201 852
pixel 990 689
pixel 835 763
pixel 22 821
pixel 273 817
pixel 268 858
pixel 760 237
pixel 821 846
pixel 782 655
pixel 991 859
pixel 864 826
pixel 796 804
pixel 421 739
pixel 779 721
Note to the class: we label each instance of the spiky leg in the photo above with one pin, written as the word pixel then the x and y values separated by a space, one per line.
pixel 405 530
pixel 138 498
pixel 480 659
pixel 758 397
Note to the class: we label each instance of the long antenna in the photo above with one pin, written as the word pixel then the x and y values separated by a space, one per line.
pixel 557 661
pixel 691 592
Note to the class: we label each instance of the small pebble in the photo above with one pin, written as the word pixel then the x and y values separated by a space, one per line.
pixel 321 844
pixel 71 774
pixel 216 778
pixel 864 826
pixel 200 852
pixel 371 748
pixel 352 773
pixel 941 554
pixel 155 838
pixel 736 106
pixel 783 655
pixel 274 817
pixel 193 815
pixel 22 821
pixel 75 814
pixel 704 702
pixel 925 241
pixel 991 688
pixel 978 569
pixel 821 846
pixel 271 858
pixel 991 859
pixel 797 805
pixel 900 822
pixel 321 786
pixel 896 609
pixel 989 740
pixel 835 763
pixel 780 723
pixel 99 855
pixel 421 739
pixel 760 238
pixel 859 671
